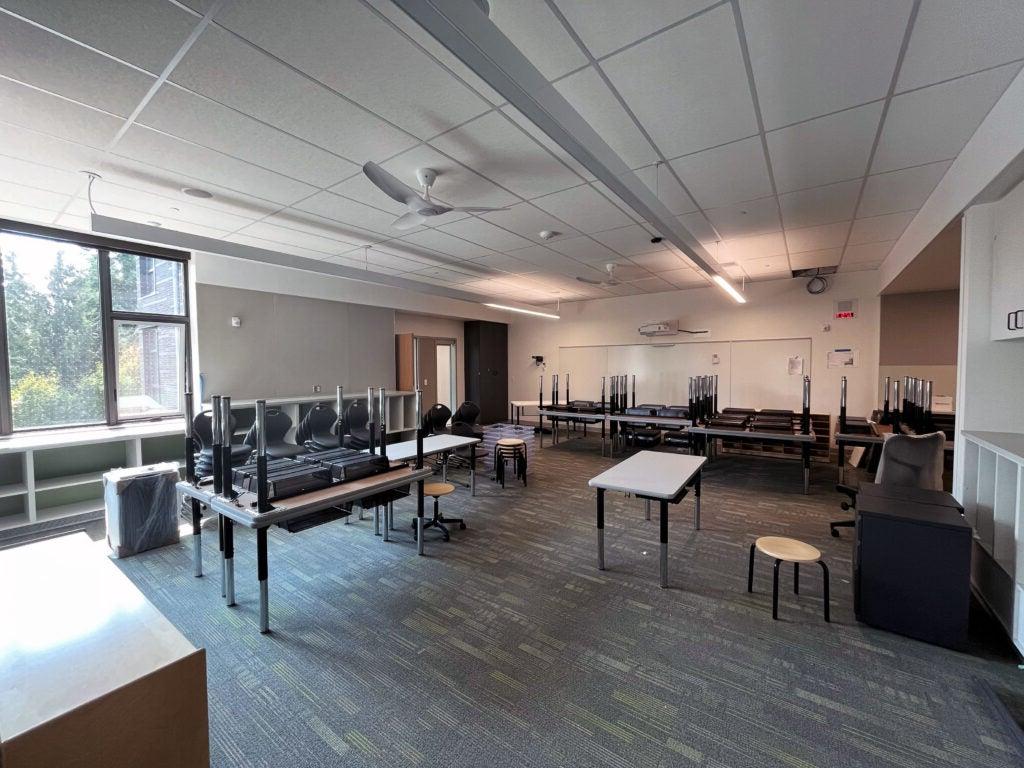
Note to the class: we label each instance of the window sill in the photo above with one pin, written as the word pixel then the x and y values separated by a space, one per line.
pixel 59 438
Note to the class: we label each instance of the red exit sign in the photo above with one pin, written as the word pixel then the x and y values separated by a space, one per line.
pixel 845 309
pixel 845 315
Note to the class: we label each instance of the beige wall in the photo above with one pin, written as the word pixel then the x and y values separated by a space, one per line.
pixel 918 337
pixel 778 309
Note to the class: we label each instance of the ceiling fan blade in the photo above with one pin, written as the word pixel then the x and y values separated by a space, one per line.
pixel 588 281
pixel 408 220
pixel 477 209
pixel 393 188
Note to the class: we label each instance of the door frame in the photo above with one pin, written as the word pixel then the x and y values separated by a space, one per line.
pixel 438 341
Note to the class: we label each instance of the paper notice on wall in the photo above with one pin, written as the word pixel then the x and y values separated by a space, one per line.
pixel 842 358
pixel 795 365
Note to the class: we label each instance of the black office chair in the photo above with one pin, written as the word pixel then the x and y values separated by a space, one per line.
pixel 914 461
pixel 317 429
pixel 435 421
pixel 276 425
pixel 675 437
pixel 355 425
pixel 202 430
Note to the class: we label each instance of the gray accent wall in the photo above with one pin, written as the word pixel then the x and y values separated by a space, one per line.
pixel 287 344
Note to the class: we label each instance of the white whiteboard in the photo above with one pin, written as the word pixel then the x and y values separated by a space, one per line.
pixel 751 374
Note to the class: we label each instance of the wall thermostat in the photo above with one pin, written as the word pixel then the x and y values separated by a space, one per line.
pixel 236 322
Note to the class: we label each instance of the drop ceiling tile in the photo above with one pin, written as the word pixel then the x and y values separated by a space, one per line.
pixel 443 274
pixel 659 261
pixel 727 174
pixel 755 217
pixel 810 259
pixel 865 267
pixel 346 46
pixel 583 249
pixel 954 38
pixel 161 151
pixel 289 236
pixel 617 201
pixel 664 185
pixel 338 208
pixel 625 289
pixel 503 262
pixel 224 68
pixel 170 211
pixel 812 57
pixel 697 224
pixel 817 238
pixel 25 144
pixel 455 185
pixel 445 243
pixel 146 33
pixel 684 277
pixel 825 150
pixel 628 241
pixel 71 222
pixel 537 32
pixel 323 227
pixel 867 253
pixel 362 190
pixel 484 233
pixel 904 190
pixel 527 220
pixel 621 22
pixel 688 86
pixel 549 261
pixel 653 285
pixel 879 228
pixel 81 208
pixel 19 212
pixel 757 247
pixel 588 95
pixel 583 208
pixel 32 174
pixel 412 252
pixel 32 197
pixel 193 118
pixel 521 165
pixel 272 245
pixel 44 112
pixel 34 56
pixel 377 257
pixel 821 205
pixel 538 135
pixel 771 266
pixel 934 123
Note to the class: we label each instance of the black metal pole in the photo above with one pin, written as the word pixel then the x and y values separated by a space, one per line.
pixel 190 443
pixel 842 405
pixel 419 465
pixel 341 410
pixel 714 407
pixel 383 423
pixel 227 486
pixel 805 421
pixel 372 422
pixel 896 409
pixel 262 491
pixel 886 416
pixel 634 391
pixel 218 477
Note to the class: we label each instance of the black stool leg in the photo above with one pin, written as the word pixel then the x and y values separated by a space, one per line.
pixel 796 578
pixel 775 591
pixel 824 569
pixel 750 571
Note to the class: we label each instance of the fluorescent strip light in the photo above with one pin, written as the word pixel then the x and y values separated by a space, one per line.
pixel 524 311
pixel 726 286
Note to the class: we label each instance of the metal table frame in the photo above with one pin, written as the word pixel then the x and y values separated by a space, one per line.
pixel 805 441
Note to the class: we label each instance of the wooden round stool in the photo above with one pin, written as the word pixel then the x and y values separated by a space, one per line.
pixel 789 551
pixel 437 490
pixel 507 448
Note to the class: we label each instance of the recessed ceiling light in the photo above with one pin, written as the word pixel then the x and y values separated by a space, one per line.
pixel 547 234
pixel 195 192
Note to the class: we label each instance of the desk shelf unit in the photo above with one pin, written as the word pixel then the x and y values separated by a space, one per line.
pixel 54 480
pixel 993 500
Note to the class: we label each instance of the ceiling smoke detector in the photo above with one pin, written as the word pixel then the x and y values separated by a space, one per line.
pixel 196 192
pixel 547 234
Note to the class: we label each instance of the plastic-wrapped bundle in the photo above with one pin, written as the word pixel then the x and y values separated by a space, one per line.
pixel 141 504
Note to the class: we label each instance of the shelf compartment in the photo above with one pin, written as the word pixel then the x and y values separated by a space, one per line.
pixel 12 512
pixel 160 449
pixel 14 489
pixel 72 509
pixel 12 469
pixel 72 461
pixel 68 481
pixel 1004 514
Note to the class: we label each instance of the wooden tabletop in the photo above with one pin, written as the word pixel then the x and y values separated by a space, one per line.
pixel 650 473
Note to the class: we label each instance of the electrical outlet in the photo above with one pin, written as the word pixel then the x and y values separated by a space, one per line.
pixel 316 389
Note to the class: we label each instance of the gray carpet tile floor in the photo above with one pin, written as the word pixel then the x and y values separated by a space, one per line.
pixel 507 647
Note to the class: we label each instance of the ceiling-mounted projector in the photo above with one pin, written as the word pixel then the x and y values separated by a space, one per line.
pixel 668 328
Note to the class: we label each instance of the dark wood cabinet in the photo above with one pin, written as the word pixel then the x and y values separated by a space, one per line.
pixel 487 368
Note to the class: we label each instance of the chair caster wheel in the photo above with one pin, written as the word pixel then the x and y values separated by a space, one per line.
pixel 835 533
pixel 844 506
pixel 462 526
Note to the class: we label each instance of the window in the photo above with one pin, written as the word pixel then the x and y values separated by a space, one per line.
pixel 90 332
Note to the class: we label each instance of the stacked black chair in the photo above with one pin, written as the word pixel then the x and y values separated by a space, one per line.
pixel 637 433
pixel 202 430
pixel 355 426
pixel 675 437
pixel 436 419
pixel 464 424
pixel 317 429
pixel 277 426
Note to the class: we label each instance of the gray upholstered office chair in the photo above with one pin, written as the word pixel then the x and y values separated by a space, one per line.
pixel 914 461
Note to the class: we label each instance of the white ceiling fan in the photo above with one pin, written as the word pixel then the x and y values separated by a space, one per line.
pixel 610 269
pixel 421 207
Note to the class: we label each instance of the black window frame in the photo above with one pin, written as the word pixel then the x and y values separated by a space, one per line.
pixel 108 317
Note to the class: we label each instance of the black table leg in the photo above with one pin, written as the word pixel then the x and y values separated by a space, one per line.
pixel 197 538
pixel 807 467
pixel 796 578
pixel 696 501
pixel 229 561
pixel 664 543
pixel 220 546
pixel 824 570
pixel 775 590
pixel 750 570
pixel 261 574
pixel 600 528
